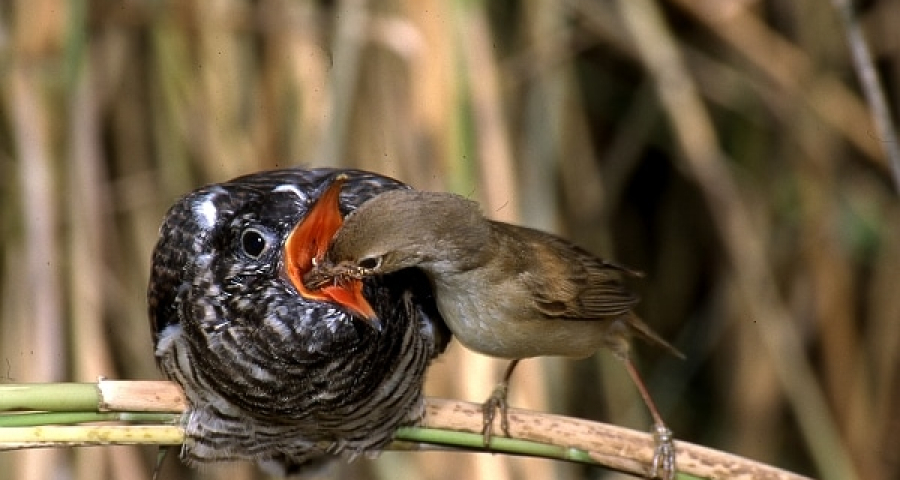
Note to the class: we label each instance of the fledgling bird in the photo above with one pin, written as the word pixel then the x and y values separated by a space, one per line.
pixel 275 373
pixel 504 290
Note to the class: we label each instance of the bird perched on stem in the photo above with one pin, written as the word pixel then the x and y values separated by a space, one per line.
pixel 504 290
pixel 273 372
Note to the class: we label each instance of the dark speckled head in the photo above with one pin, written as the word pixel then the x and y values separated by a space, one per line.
pixel 211 228
pixel 272 376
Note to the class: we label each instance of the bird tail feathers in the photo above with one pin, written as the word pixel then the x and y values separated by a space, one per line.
pixel 644 331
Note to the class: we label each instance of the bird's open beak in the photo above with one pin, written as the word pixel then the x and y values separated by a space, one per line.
pixel 309 241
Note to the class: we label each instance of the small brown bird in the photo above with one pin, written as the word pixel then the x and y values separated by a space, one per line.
pixel 504 290
pixel 274 373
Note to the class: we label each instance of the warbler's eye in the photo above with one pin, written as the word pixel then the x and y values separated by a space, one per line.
pixel 369 263
pixel 253 242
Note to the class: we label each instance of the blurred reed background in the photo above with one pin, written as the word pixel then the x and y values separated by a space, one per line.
pixel 723 147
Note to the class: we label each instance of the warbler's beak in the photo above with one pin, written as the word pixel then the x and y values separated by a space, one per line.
pixel 319 276
pixel 308 243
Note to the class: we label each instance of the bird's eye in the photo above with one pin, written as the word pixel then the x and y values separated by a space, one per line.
pixel 369 263
pixel 253 242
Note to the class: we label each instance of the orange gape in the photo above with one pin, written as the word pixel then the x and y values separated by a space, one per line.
pixel 308 242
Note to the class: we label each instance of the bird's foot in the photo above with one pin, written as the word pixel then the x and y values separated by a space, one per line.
pixel 496 402
pixel 161 453
pixel 663 464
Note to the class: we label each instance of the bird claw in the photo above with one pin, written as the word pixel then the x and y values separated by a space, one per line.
pixel 497 401
pixel 663 464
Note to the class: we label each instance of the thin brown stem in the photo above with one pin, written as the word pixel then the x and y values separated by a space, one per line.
pixel 615 447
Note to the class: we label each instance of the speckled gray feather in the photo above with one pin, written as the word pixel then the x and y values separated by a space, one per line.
pixel 271 376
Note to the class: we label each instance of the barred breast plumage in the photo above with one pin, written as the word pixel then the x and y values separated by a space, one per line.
pixel 271 375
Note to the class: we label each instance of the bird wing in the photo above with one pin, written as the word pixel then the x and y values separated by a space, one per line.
pixel 567 282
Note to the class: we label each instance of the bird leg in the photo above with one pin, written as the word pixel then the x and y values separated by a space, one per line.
pixel 497 401
pixel 161 454
pixel 663 464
